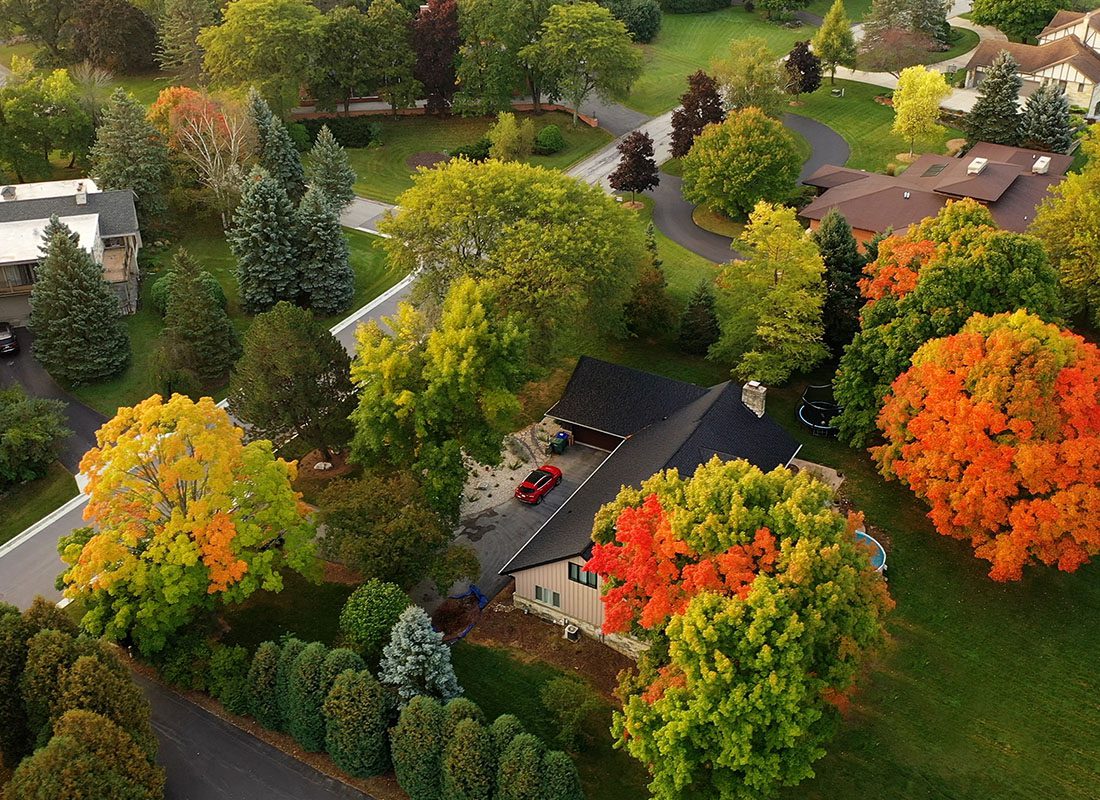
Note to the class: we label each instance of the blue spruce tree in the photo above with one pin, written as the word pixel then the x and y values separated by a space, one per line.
pixel 326 277
pixel 263 238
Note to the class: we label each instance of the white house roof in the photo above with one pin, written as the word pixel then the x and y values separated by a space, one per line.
pixel 20 241
pixel 14 192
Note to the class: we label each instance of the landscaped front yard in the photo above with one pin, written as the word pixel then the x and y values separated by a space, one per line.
pixel 26 504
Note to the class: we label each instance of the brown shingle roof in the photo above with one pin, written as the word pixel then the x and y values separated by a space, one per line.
pixel 829 175
pixel 1033 58
pixel 1061 20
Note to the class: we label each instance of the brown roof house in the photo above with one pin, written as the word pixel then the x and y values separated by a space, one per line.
pixel 104 222
pixel 1010 181
pixel 646 423
pixel 1068 53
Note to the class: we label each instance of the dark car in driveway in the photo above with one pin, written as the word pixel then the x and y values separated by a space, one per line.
pixel 537 484
pixel 9 343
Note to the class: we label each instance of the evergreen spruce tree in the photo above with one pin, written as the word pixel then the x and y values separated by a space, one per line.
pixel 417 747
pixel 416 662
pixel 263 701
pixel 870 247
pixel 995 116
pixel 843 269
pixel 329 171
pixel 79 335
pixel 307 696
pixel 275 149
pixel 197 326
pixel 560 778
pixel 326 277
pixel 178 50
pixel 129 153
pixel 699 327
pixel 289 651
pixel 357 717
pixel 263 237
pixel 1045 124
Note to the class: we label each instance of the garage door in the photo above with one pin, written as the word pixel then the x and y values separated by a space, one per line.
pixel 593 438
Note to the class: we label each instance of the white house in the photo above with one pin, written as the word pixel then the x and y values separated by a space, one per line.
pixel 104 222
pixel 1068 54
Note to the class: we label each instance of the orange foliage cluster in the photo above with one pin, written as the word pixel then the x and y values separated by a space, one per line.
pixel 656 573
pixel 215 541
pixel 998 429
pixel 169 99
pixel 896 269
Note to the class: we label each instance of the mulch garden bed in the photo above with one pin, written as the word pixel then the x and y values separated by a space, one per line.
pixel 425 158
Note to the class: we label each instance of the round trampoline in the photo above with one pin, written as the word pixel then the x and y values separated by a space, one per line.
pixel 818 409
pixel 875 550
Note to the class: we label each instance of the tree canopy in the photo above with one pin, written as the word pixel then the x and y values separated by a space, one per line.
pixel 917 104
pixel 751 75
pixel 700 105
pixel 834 43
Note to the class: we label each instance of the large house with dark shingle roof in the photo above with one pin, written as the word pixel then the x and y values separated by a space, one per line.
pixel 104 222
pixel 646 423
pixel 1068 54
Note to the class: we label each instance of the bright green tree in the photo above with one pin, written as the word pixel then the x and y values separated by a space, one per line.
pixel 429 395
pixel 178 29
pixel 843 269
pixel 468 766
pixel 326 277
pixel 41 112
pixel 263 237
pixel 329 171
pixel 751 76
pixel 1045 123
pixel 995 116
pixel 129 153
pixel 771 302
pixel 293 381
pixel 79 334
pixel 511 140
pixel 391 57
pixel 341 63
pixel 1020 19
pixel 357 713
pixel 31 431
pixel 588 51
pixel 263 700
pixel 369 615
pixel 748 158
pixel 917 101
pixel 289 651
pixel 306 722
pixel 417 747
pixel 263 43
pixel 834 43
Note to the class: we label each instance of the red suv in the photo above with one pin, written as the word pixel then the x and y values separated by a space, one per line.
pixel 536 485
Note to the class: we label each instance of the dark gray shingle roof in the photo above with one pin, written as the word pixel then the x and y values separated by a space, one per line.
pixel 115 207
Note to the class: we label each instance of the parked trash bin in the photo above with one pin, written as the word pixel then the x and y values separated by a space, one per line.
pixel 559 443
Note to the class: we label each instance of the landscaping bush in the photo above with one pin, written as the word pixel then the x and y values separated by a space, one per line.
pixel 477 151
pixel 31 431
pixel 288 654
pixel 358 710
pixel 519 773
pixel 570 702
pixel 348 131
pixel 162 288
pixel 458 709
pixel 549 141
pixel 300 136
pixel 339 660
pixel 504 729
pixel 693 6
pixel 306 721
pixel 228 679
pixel 642 18
pixel 185 660
pixel 468 763
pixel 263 691
pixel 560 780
pixel 369 615
pixel 91 685
pixel 416 743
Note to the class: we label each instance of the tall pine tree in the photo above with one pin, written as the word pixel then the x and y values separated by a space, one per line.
pixel 1045 124
pixel 178 50
pixel 129 153
pixel 75 316
pixel 995 116
pixel 329 170
pixel 843 269
pixel 699 327
pixel 263 237
pixel 275 149
pixel 326 277
pixel 700 105
pixel 197 325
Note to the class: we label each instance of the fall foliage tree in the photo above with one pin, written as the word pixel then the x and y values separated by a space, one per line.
pixel 700 105
pixel 803 70
pixel 637 169
pixel 917 104
pixel 186 516
pixel 834 43
pixel 749 584
pixel 435 39
pixel 997 428
pixel 113 35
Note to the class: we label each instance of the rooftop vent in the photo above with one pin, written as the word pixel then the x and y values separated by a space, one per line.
pixel 1041 165
pixel 905 195
pixel 81 194
pixel 753 395
pixel 976 166
pixel 7 193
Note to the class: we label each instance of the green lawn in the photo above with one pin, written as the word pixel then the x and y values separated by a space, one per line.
pixel 856 9
pixel 502 684
pixel 688 42
pixel 864 124
pixel 26 504
pixel 303 609
pixel 384 171
pixel 207 244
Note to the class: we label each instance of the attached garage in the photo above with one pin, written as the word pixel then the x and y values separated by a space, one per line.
pixel 592 437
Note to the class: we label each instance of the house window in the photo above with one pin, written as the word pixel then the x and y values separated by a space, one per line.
pixel 548 597
pixel 1080 87
pixel 577 574
pixel 14 276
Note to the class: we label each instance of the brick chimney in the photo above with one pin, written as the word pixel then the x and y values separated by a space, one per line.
pixel 753 395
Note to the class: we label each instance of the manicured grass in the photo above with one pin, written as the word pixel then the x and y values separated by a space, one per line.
pixel 716 222
pixel 864 124
pixel 502 684
pixel 688 42
pixel 26 504
pixel 682 267
pixel 207 244
pixel 384 171
pixel 986 690
pixel 23 50
pixel 303 609
pixel 857 9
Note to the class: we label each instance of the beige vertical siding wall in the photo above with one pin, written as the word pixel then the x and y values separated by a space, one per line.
pixel 578 602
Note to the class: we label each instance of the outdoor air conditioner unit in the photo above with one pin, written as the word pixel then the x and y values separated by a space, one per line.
pixel 976 166
pixel 572 633
pixel 1041 165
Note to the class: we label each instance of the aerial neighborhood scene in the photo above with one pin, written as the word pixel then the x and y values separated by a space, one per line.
pixel 549 399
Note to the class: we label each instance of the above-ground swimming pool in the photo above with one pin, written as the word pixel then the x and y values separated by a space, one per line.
pixel 877 551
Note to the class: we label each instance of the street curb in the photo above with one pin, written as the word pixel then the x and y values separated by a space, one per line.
pixel 386 295
pixel 43 523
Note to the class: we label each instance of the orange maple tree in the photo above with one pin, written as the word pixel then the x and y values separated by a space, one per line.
pixel 896 269
pixel 998 429
pixel 171 98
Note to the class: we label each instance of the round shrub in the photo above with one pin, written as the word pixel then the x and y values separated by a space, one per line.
pixel 560 778
pixel 306 722
pixel 476 151
pixel 468 768
pixel 417 744
pixel 162 288
pixel 358 710
pixel 370 614
pixel 263 692
pixel 549 140
pixel 641 17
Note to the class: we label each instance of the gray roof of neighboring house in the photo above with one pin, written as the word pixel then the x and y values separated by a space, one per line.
pixel 117 216
pixel 714 423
